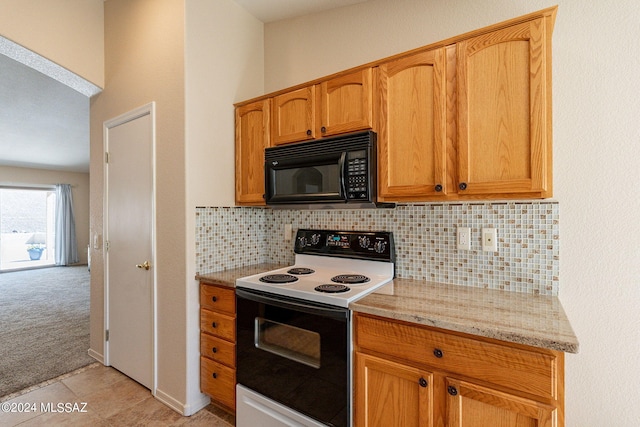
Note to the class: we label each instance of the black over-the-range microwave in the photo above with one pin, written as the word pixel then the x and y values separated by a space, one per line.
pixel 332 173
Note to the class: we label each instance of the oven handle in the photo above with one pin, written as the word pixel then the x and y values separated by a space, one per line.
pixel 297 305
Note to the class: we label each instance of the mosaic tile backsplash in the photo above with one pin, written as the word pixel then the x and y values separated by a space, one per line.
pixel 425 240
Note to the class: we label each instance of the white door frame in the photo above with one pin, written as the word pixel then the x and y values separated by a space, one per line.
pixel 147 109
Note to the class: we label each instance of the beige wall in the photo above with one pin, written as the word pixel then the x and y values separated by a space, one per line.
pixel 14 176
pixel 596 158
pixel 224 64
pixel 144 51
pixel 67 32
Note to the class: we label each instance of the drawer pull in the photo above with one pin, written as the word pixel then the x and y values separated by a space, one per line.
pixel 214 375
pixel 214 299
pixel 214 350
pixel 214 325
pixel 452 390
pixel 438 353
pixel 422 382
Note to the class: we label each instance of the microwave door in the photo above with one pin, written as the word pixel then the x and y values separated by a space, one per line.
pixel 320 179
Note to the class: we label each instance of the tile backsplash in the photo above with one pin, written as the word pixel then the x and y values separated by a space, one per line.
pixel 425 240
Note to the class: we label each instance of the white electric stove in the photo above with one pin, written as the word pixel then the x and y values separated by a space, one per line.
pixel 331 267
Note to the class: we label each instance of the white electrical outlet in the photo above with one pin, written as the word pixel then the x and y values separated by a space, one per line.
pixel 464 238
pixel 287 232
pixel 489 240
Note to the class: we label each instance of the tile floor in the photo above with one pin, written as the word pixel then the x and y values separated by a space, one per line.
pixel 112 399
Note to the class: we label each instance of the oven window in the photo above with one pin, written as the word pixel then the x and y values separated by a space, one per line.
pixel 299 345
pixel 319 179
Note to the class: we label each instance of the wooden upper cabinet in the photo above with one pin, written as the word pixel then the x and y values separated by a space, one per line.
pixel 411 109
pixel 252 137
pixel 346 103
pixel 294 116
pixel 504 111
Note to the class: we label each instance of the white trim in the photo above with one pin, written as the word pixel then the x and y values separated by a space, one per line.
pixel 147 109
pixel 99 357
pixel 185 409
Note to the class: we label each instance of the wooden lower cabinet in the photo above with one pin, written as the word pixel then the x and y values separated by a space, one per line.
pixel 218 344
pixel 391 394
pixel 407 374
pixel 472 405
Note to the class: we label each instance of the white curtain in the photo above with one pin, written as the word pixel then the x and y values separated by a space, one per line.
pixel 66 245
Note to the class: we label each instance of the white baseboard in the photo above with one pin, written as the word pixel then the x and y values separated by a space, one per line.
pixel 99 357
pixel 185 409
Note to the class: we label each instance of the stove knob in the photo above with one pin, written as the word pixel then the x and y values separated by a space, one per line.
pixel 302 242
pixel 315 239
pixel 364 241
pixel 380 246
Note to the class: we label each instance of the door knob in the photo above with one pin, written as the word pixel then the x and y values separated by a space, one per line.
pixel 144 265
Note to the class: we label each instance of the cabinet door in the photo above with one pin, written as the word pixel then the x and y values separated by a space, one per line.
pixel 252 137
pixel 412 129
pixel 293 116
pixel 471 405
pixel 346 103
pixel 504 106
pixel 389 394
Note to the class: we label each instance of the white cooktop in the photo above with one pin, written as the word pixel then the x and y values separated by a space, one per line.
pixel 325 268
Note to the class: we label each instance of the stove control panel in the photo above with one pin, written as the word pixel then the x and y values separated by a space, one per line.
pixel 373 245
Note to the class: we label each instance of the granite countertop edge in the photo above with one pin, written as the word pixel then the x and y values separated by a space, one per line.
pixel 534 320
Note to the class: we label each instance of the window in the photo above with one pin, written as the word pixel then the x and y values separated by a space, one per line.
pixel 27 227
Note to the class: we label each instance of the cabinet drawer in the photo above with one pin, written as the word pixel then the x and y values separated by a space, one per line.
pixel 218 381
pixel 217 349
pixel 218 324
pixel 218 298
pixel 529 371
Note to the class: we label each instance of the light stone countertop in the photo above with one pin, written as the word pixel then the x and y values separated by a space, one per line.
pixel 228 277
pixel 534 320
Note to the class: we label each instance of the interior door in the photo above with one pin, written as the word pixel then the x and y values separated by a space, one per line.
pixel 129 233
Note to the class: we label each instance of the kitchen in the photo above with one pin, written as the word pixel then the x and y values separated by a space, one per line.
pixel 594 102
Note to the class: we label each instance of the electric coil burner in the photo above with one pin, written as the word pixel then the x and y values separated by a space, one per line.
pixel 300 270
pixel 350 278
pixel 278 278
pixel 332 288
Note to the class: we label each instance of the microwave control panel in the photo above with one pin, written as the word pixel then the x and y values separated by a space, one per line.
pixel 357 175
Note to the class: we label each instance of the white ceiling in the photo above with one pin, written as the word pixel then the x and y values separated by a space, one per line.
pixel 44 123
pixel 275 10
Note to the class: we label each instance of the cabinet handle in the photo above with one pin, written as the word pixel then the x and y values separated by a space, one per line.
pixel 437 353
pixel 452 390
pixel 438 188
pixel 214 325
pixel 422 382
pixel 462 186
pixel 214 350
pixel 308 132
pixel 323 129
pixel 214 299
pixel 214 375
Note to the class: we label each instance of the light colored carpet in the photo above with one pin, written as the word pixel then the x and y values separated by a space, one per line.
pixel 44 325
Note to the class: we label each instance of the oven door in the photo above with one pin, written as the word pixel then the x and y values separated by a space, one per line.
pixel 295 353
pixel 314 179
